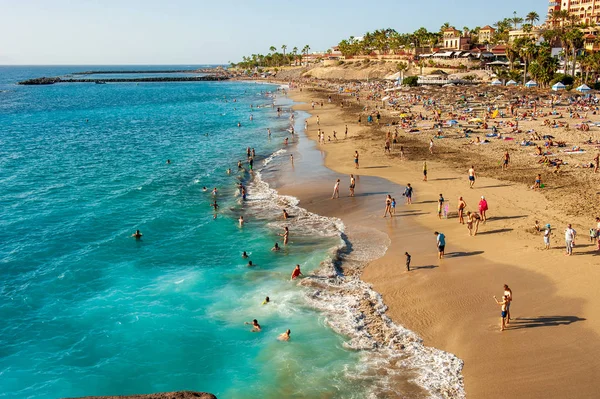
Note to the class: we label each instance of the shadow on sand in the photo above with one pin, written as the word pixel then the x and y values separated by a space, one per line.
pixel 462 254
pixel 422 267
pixel 494 231
pixel 507 217
pixel 542 321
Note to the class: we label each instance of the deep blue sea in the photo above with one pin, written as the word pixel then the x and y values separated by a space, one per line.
pixel 88 310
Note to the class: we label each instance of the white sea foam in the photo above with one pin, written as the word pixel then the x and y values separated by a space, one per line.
pixel 352 308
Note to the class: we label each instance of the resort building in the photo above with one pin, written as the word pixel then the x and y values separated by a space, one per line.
pixel 535 33
pixel 588 11
pixel 454 39
pixel 486 34
pixel 591 43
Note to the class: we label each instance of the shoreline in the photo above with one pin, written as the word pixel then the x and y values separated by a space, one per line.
pixel 396 356
pixel 438 323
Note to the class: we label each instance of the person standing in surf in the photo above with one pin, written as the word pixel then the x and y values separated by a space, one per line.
pixel 352 185
pixel 336 189
pixel 388 206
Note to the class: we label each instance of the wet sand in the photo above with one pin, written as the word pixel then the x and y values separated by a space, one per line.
pixel 549 349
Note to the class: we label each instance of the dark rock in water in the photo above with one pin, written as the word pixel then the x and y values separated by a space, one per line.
pixel 163 395
pixel 49 81
pixel 40 81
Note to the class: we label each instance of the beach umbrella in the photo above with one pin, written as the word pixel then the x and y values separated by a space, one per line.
pixel 511 83
pixel 559 86
pixel 452 122
pixel 496 82
pixel 531 83
pixel 583 88
pixel 476 120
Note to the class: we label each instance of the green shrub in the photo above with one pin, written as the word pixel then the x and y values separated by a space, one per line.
pixel 567 80
pixel 410 81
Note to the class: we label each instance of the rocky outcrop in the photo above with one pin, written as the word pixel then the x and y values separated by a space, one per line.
pixel 49 81
pixel 164 395
pixel 40 81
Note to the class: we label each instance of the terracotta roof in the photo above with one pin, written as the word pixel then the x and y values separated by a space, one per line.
pixel 487 27
pixel 450 30
pixel 589 36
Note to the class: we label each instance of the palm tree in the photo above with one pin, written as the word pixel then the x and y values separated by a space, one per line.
pixel 273 49
pixel 516 20
pixel 532 17
pixel 305 50
pixel 295 53
pixel 527 52
pixel 283 48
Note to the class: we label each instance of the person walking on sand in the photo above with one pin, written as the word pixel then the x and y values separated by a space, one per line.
pixel 336 189
pixel 505 160
pixel 431 146
pixel 407 261
pixel 440 206
pixel 508 294
pixel 473 220
pixel 596 162
pixel 503 313
pixel 296 273
pixel 408 192
pixel 424 170
pixel 547 234
pixel 388 206
pixel 570 235
pixel 483 207
pixel 441 244
pixel 472 176
pixel 355 159
pixel 352 185
pixel 461 209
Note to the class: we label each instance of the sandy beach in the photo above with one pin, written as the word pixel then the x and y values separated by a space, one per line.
pixel 549 347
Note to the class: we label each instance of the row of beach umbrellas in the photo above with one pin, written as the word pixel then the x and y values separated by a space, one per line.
pixel 556 87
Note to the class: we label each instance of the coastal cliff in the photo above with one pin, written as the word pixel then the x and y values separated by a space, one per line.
pixel 163 395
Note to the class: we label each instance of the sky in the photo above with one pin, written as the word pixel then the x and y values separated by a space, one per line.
pixel 177 32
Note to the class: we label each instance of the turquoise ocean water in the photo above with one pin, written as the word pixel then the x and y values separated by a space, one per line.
pixel 88 310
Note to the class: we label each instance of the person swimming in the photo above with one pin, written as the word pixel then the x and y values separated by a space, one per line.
pixel 244 255
pixel 267 300
pixel 204 188
pixel 285 214
pixel 296 273
pixel 285 336
pixel 254 324
pixel 250 264
pixel 168 161
pixel 137 235
pixel 241 221
pixel 276 247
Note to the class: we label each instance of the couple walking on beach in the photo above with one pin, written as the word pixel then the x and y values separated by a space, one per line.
pixel 336 188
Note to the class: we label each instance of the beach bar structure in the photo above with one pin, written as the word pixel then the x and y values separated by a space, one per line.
pixel 531 83
pixel 436 80
pixel 496 82
pixel 558 86
pixel 511 83
pixel 583 88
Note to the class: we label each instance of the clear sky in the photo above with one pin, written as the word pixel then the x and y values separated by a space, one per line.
pixel 212 31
